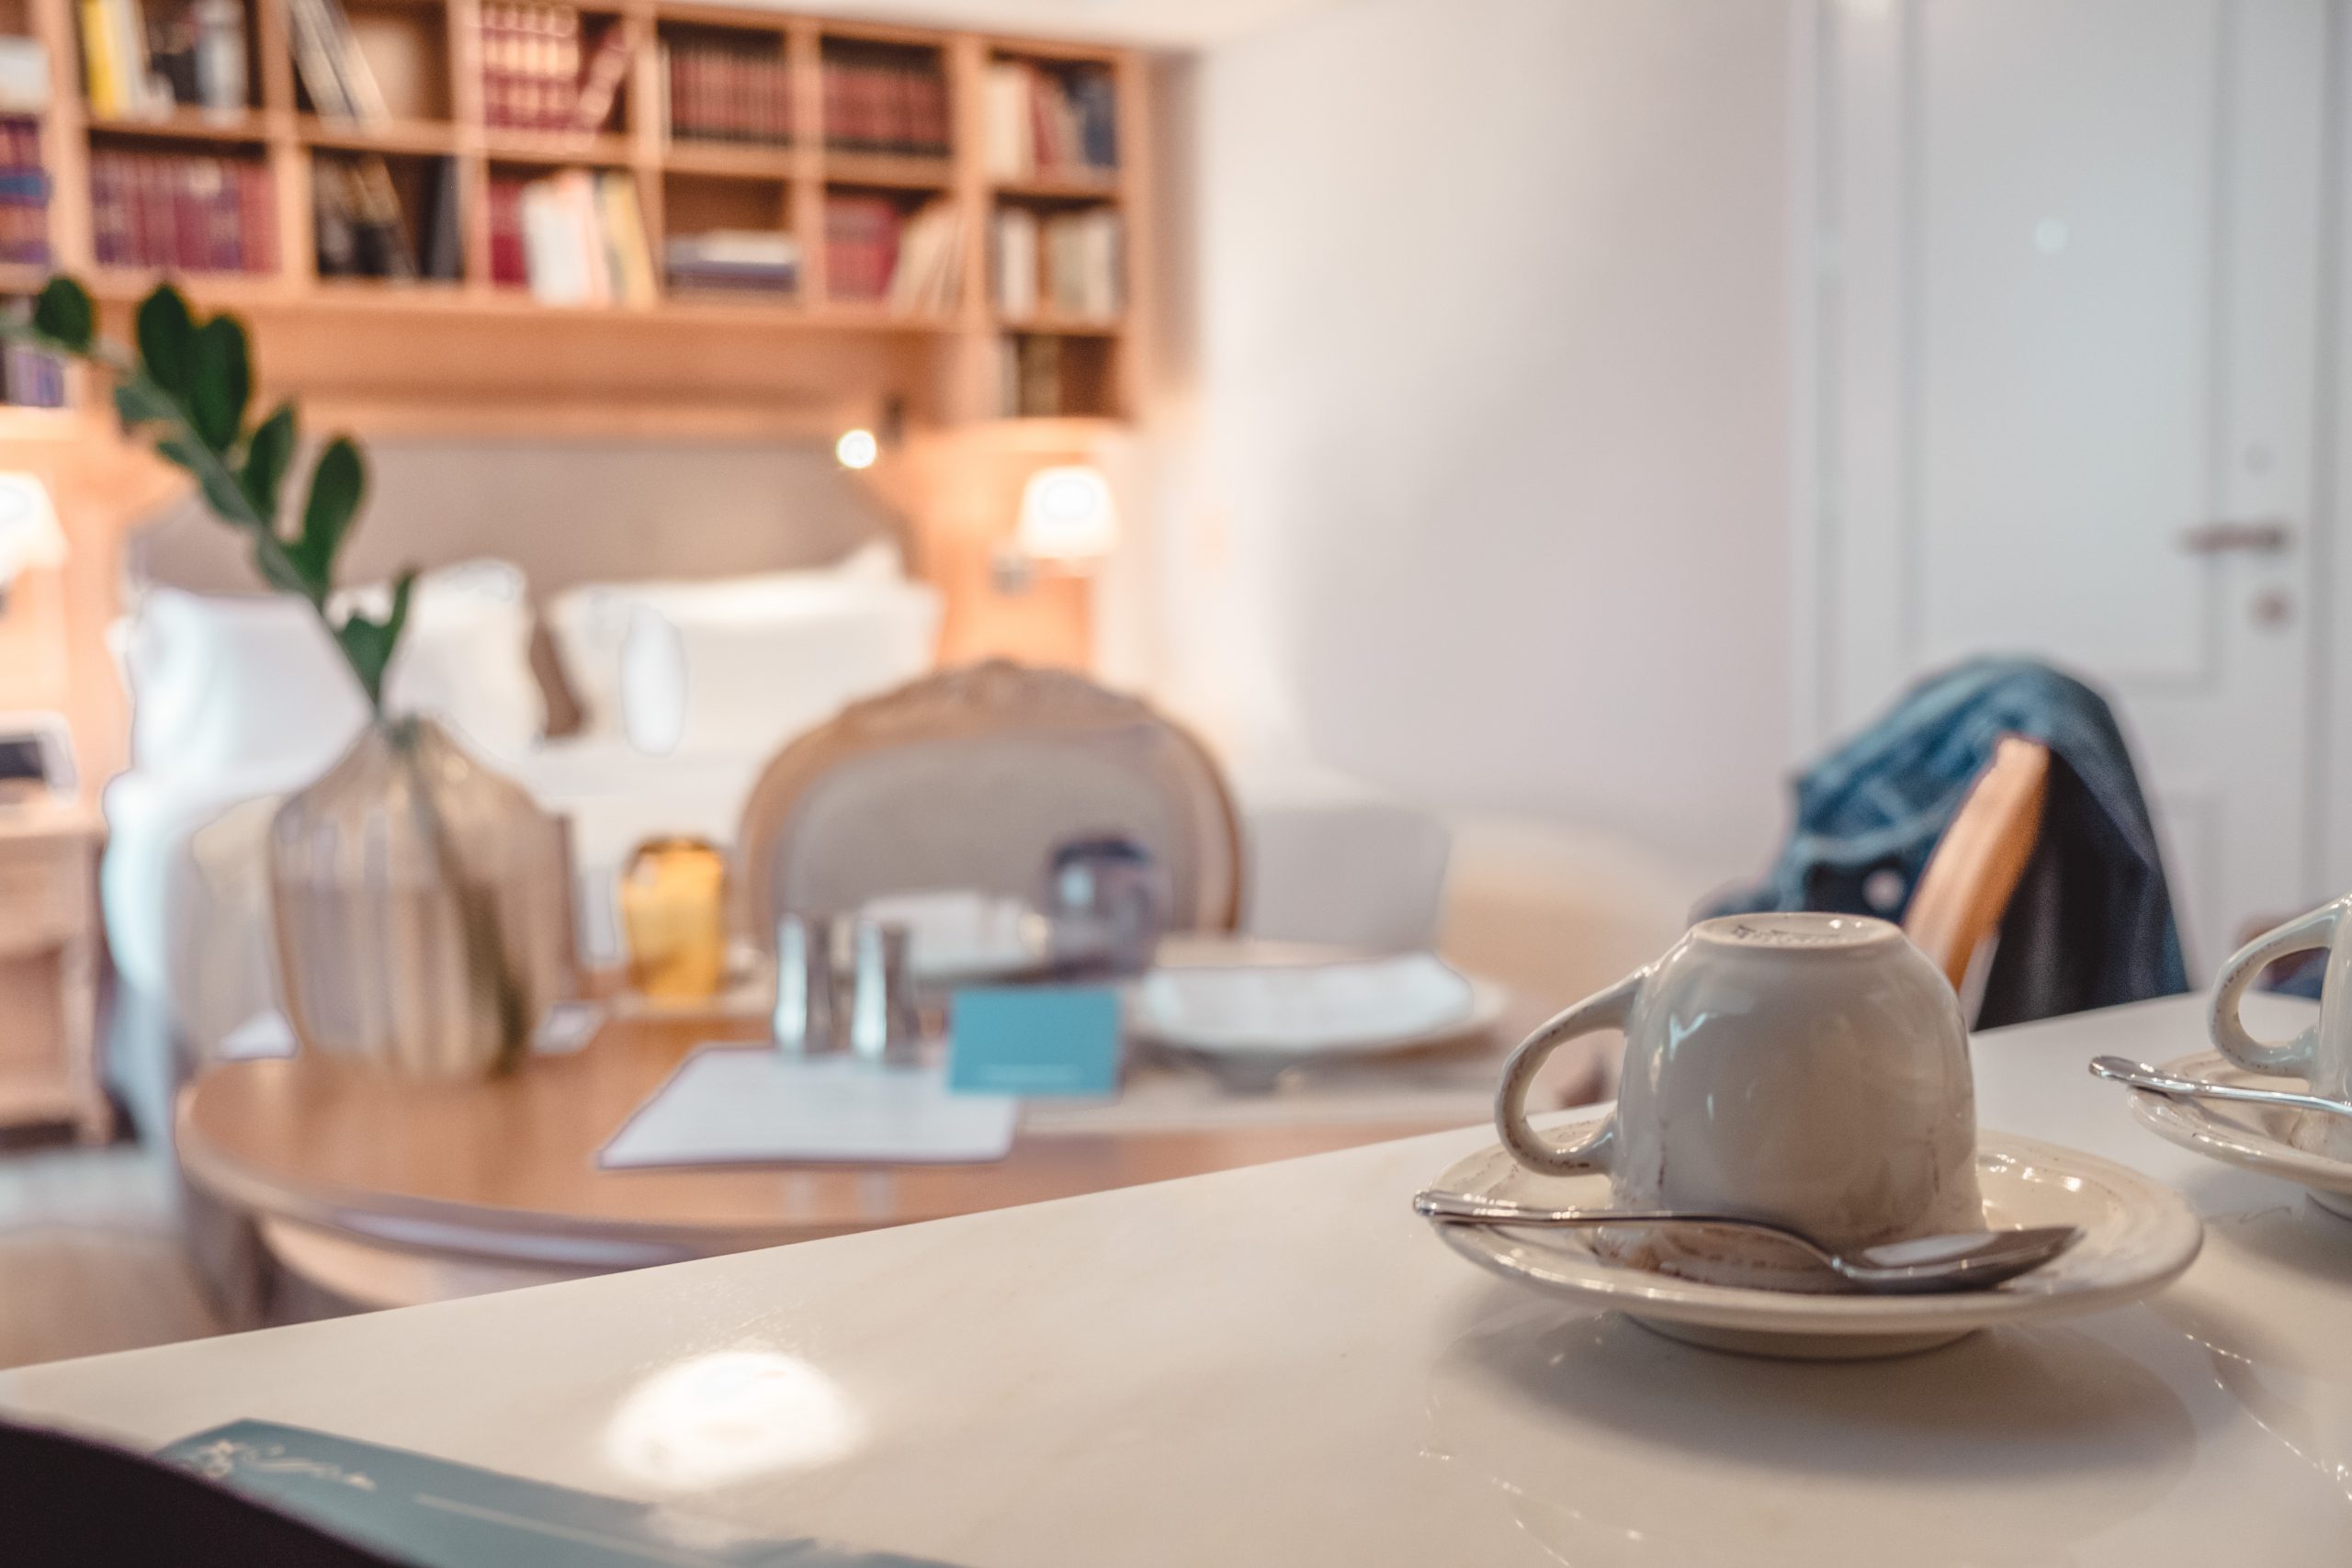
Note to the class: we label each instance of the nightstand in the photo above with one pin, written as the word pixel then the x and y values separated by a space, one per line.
pixel 48 968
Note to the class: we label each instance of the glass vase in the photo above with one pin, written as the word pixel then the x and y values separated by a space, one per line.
pixel 420 905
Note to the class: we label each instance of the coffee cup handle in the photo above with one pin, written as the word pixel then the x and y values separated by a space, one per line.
pixel 2293 1058
pixel 1592 1151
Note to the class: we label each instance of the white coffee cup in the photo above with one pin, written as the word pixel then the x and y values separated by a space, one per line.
pixel 2321 1053
pixel 1806 1069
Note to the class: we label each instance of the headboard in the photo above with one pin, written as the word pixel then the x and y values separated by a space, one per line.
pixel 565 512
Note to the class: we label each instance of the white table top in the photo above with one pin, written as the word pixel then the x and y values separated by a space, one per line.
pixel 1280 1365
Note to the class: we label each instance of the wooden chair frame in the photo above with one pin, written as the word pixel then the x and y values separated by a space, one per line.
pixel 996 697
pixel 1976 866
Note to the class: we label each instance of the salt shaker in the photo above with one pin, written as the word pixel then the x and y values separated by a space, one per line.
pixel 884 1027
pixel 805 1025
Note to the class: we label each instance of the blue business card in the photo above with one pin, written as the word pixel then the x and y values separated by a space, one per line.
pixel 1038 1041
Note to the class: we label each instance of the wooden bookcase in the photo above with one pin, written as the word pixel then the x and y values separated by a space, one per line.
pixel 467 356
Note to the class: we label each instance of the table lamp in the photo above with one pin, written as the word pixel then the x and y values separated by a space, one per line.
pixel 1068 525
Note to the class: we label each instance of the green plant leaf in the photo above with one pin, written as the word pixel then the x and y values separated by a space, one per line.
pixel 64 313
pixel 221 491
pixel 167 340
pixel 221 382
pixel 370 644
pixel 280 572
pixel 268 455
pixel 338 481
pixel 139 401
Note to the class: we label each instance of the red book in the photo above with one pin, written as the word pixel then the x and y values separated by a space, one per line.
pixel 509 268
pixel 256 218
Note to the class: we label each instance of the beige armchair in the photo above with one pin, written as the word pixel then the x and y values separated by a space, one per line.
pixel 970 779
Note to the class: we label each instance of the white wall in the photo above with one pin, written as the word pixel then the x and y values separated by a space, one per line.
pixel 1480 408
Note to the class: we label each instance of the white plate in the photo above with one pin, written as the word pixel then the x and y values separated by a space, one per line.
pixel 2274 1140
pixel 2139 1236
pixel 1284 1013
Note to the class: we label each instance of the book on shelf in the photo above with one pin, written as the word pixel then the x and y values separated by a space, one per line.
pixel 185 211
pixel 538 73
pixel 895 104
pixel 732 259
pixel 198 50
pixel 1040 121
pixel 1066 263
pixel 723 92
pixel 24 193
pixel 116 70
pixel 362 232
pixel 29 378
pixel 572 238
pixel 1032 368
pixel 923 282
pixel 334 72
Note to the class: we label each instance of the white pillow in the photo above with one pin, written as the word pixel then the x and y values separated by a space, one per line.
pixel 222 684
pixel 746 678
pixel 253 683
pixel 466 657
pixel 592 622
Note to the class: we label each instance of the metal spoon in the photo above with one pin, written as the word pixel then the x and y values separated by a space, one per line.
pixel 2139 1075
pixel 1962 1260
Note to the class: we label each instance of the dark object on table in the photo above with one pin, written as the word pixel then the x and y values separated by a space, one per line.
pixel 1107 902
pixel 75 1503
pixel 2091 923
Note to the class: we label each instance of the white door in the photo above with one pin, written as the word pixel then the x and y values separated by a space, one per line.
pixel 2069 358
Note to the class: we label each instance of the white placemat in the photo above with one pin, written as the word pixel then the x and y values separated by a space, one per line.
pixel 748 1105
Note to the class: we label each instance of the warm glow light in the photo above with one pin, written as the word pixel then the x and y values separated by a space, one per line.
pixel 1067 516
pixel 721 1417
pixel 857 448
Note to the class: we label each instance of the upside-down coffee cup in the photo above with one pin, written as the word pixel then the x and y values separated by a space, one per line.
pixel 2322 1053
pixel 1807 1068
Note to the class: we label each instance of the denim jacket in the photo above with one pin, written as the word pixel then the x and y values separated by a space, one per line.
pixel 2091 923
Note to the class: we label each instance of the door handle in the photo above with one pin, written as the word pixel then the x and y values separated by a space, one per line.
pixel 2235 535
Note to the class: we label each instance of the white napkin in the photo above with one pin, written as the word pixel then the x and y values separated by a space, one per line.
pixel 741 1105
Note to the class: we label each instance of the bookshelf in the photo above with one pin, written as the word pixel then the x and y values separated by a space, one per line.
pixel 742 139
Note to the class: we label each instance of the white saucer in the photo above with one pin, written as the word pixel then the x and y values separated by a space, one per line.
pixel 2273 1140
pixel 2138 1238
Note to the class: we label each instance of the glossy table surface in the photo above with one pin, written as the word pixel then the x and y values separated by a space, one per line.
pixel 1280 1365
pixel 506 1171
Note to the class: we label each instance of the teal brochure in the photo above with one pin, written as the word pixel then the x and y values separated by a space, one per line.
pixel 437 1515
pixel 1038 1041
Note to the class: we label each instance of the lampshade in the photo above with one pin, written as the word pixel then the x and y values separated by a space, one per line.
pixel 29 535
pixel 1067 516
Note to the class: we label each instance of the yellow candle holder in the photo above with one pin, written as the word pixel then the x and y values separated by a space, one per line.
pixel 673 908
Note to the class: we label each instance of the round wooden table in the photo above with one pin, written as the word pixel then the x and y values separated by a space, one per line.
pixel 387 1190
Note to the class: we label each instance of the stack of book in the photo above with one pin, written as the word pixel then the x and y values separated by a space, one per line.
pixel 182 210
pixel 574 238
pixel 1067 263
pixel 722 94
pixel 892 102
pixel 733 259
pixel 363 233
pixel 24 193
pixel 1050 122
pixel 196 57
pixel 533 74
